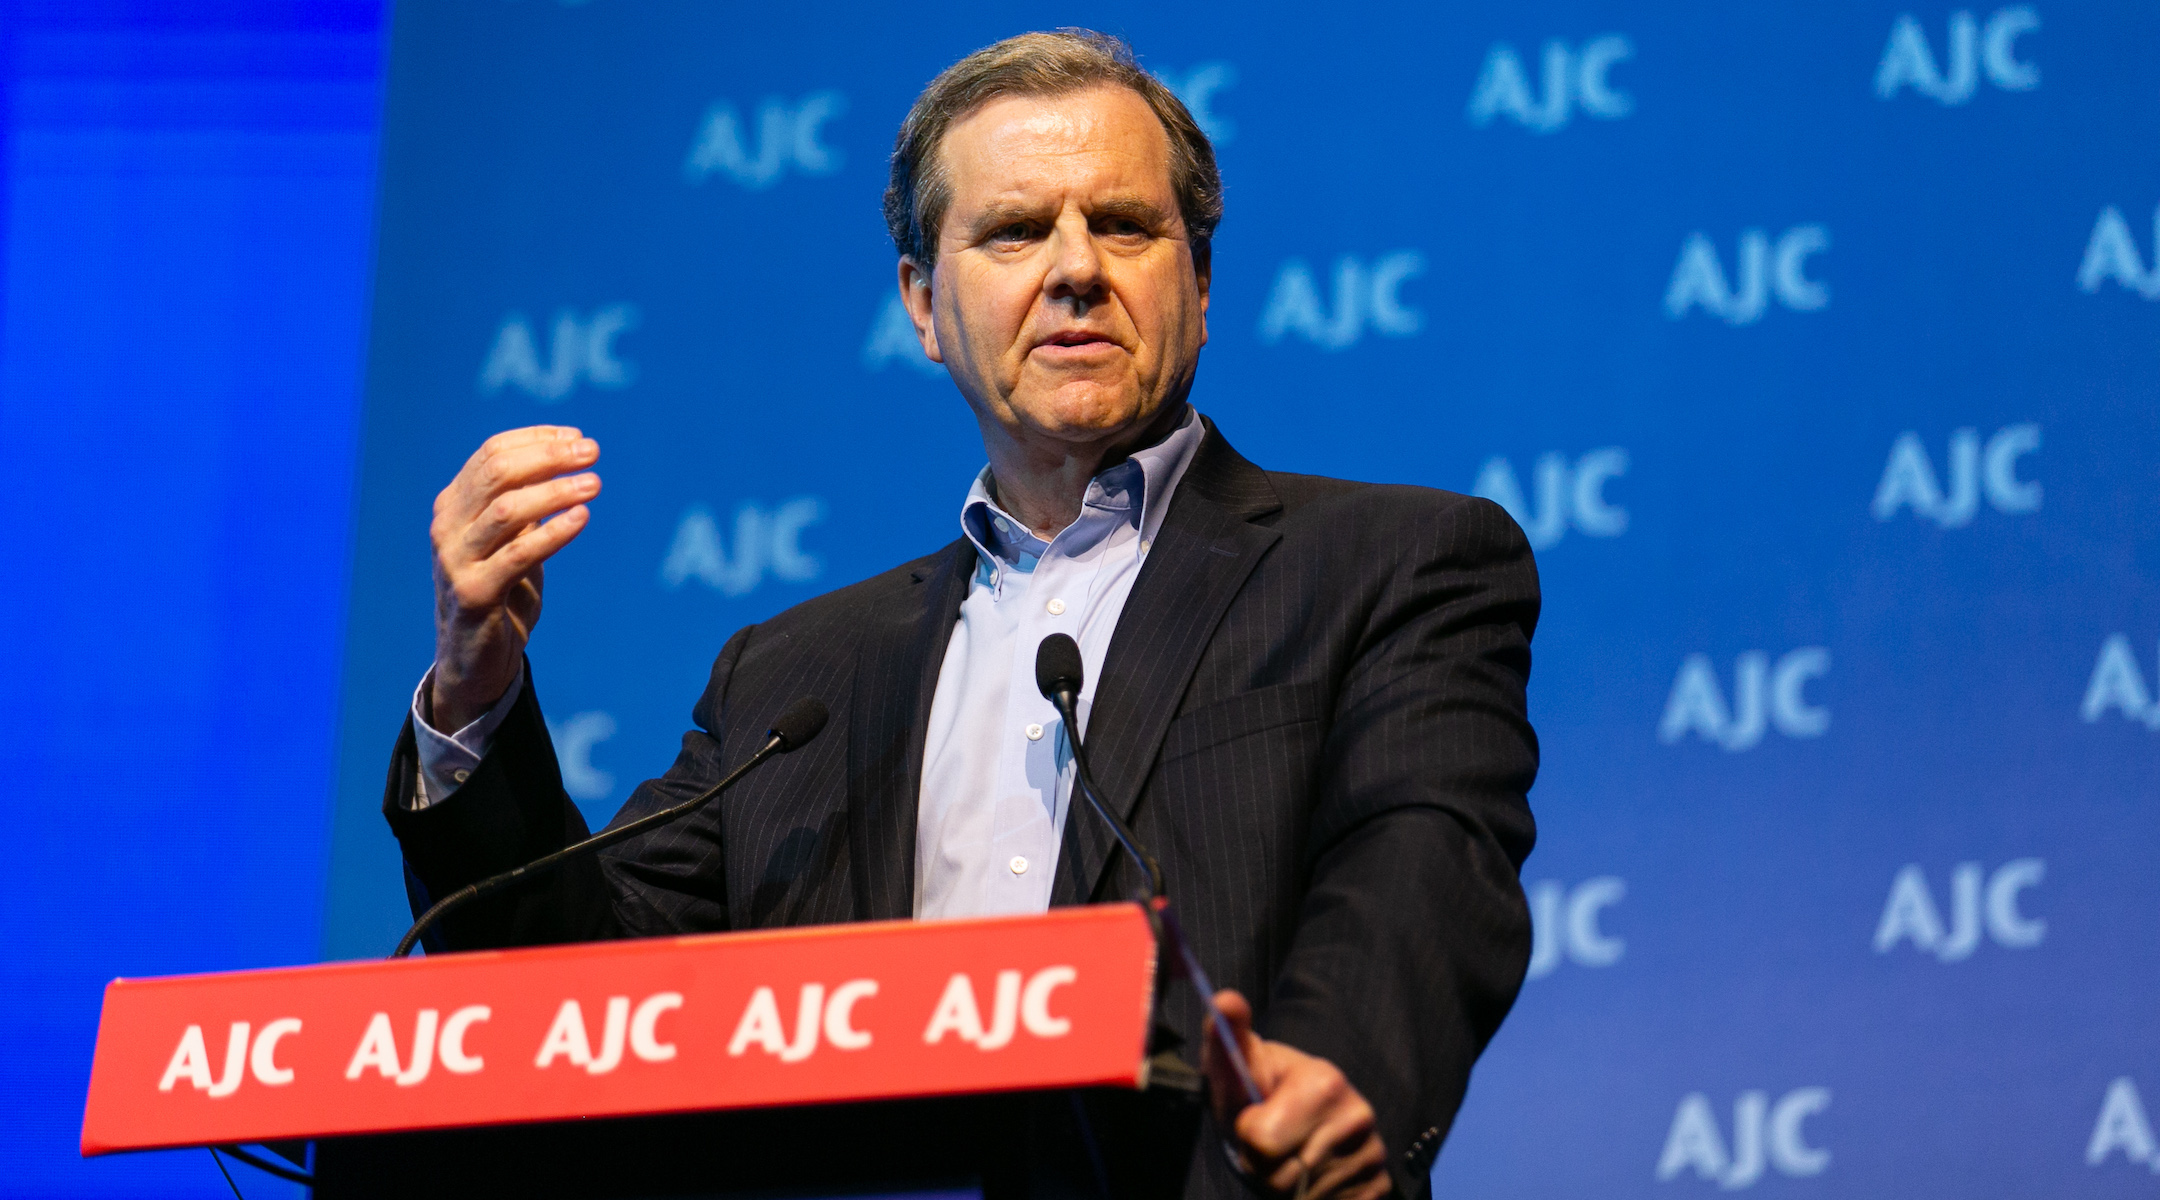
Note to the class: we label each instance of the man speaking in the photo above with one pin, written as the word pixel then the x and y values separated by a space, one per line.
pixel 1306 695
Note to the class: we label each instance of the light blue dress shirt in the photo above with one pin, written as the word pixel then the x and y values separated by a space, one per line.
pixel 997 770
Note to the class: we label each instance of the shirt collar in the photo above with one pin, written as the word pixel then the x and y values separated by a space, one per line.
pixel 1138 488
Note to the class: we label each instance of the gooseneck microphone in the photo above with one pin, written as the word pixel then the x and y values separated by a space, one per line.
pixel 1058 675
pixel 800 722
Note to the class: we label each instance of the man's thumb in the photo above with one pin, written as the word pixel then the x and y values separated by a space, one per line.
pixel 1237 1011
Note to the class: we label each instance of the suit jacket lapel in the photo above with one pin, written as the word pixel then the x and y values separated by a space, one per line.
pixel 1207 548
pixel 896 672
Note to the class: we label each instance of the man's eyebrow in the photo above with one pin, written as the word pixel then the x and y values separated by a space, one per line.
pixel 1133 208
pixel 1004 214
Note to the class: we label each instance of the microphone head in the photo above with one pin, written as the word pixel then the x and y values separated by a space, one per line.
pixel 799 722
pixel 1057 666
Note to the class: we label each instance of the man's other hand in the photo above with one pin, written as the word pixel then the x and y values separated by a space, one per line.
pixel 1312 1134
pixel 492 530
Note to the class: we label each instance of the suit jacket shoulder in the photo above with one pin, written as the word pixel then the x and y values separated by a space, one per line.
pixel 819 637
pixel 1312 495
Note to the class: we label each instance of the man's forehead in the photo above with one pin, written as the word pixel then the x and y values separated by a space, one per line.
pixel 1016 148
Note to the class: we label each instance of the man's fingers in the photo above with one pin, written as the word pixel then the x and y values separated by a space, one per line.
pixel 1276 1128
pixel 1313 1126
pixel 512 513
pixel 491 473
pixel 495 448
pixel 1238 1011
pixel 1367 1180
pixel 510 439
pixel 1228 1089
pixel 483 585
pixel 1341 1152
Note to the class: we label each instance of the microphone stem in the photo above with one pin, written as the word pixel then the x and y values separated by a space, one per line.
pixel 608 837
pixel 1084 780
pixel 1157 902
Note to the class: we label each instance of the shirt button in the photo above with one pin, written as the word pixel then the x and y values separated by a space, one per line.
pixel 461 776
pixel 1002 527
pixel 1144 544
pixel 1034 733
pixel 1056 607
pixel 1018 865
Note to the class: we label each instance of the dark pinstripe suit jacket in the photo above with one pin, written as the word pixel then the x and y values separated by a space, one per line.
pixel 1312 711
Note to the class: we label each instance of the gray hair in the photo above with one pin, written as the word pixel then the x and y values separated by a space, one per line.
pixel 1038 64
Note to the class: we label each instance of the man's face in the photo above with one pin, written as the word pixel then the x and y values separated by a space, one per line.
pixel 1065 300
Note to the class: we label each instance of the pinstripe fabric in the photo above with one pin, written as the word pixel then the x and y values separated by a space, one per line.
pixel 1313 711
pixel 896 671
pixel 1201 559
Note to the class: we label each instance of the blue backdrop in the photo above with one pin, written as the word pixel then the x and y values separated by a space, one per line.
pixel 189 193
pixel 1813 348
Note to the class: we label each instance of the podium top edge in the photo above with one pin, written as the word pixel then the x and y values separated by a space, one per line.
pixel 1118 911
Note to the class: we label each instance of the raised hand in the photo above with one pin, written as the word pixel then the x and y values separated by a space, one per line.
pixel 1313 1134
pixel 491 532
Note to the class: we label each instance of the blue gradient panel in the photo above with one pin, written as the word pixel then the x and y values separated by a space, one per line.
pixel 189 223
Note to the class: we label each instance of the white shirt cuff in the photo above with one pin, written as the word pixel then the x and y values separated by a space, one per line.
pixel 448 760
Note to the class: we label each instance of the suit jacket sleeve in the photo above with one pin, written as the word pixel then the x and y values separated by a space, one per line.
pixel 1413 936
pixel 513 809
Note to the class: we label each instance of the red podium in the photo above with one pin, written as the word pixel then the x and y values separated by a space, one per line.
pixel 838 1056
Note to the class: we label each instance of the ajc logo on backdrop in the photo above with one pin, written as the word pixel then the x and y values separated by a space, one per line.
pixel 1365 297
pixel 1763 1135
pixel 1764 270
pixel 1564 924
pixel 2111 253
pixel 1909 479
pixel 892 340
pixel 574 741
pixel 1567 495
pixel 1573 79
pixel 765 543
pixel 2117 685
pixel 2123 1127
pixel 1765 696
pixel 582 350
pixel 787 139
pixel 1197 88
pixel 1910 914
pixel 1907 61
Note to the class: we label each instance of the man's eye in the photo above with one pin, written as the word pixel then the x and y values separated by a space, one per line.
pixel 1012 233
pixel 1126 227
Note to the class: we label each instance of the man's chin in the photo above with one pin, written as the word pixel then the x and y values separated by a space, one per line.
pixel 1084 412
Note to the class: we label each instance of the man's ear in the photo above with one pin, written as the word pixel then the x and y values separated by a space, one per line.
pixel 1203 265
pixel 915 296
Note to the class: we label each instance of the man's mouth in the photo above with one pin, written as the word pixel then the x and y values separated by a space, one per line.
pixel 1074 338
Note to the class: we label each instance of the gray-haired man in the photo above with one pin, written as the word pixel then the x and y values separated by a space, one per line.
pixel 1306 694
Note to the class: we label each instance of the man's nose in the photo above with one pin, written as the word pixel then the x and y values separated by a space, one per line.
pixel 1076 267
